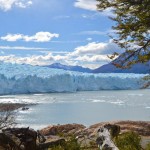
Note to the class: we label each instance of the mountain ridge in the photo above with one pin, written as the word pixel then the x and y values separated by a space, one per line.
pixel 69 67
pixel 139 68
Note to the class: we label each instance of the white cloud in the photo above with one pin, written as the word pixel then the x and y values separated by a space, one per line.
pixel 96 32
pixel 41 37
pixel 91 55
pixel 96 48
pixel 49 58
pixel 93 59
pixel 6 5
pixel 91 15
pixel 86 4
pixel 23 5
pixel 12 37
pixel 91 5
pixel 38 37
pixel 21 48
pixel 34 59
pixel 93 32
pixel 89 39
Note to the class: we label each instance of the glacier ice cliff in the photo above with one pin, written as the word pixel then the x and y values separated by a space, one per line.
pixel 21 79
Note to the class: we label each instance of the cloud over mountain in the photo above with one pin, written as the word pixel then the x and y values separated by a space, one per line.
pixel 91 55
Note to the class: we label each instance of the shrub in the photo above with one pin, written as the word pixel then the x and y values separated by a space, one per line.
pixel 71 144
pixel 128 141
pixel 148 147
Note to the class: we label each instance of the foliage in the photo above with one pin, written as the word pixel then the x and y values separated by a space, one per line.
pixel 71 144
pixel 148 147
pixel 128 141
pixel 146 78
pixel 132 27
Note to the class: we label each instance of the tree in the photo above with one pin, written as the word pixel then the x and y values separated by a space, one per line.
pixel 132 28
pixel 7 118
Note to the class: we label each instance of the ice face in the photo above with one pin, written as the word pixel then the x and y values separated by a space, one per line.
pixel 21 79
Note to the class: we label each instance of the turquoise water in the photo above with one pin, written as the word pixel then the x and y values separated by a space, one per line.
pixel 88 107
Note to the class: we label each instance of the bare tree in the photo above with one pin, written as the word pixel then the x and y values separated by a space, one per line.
pixel 7 118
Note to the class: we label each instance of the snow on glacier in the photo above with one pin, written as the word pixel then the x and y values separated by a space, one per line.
pixel 21 79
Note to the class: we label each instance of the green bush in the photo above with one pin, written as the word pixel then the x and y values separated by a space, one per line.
pixel 71 144
pixel 148 147
pixel 128 141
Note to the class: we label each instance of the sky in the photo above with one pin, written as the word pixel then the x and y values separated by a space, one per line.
pixel 42 32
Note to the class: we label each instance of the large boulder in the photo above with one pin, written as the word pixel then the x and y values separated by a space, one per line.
pixel 18 138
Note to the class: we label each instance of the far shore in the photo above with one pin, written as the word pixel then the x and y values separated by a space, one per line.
pixel 12 106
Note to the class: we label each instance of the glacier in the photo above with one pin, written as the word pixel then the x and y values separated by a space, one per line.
pixel 23 79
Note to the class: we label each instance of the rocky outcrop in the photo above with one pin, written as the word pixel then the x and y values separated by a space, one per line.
pixel 18 139
pixel 141 127
pixel 26 139
pixel 62 129
pixel 89 135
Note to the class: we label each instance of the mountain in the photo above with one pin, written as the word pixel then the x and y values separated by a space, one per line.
pixel 140 68
pixel 70 68
pixel 137 68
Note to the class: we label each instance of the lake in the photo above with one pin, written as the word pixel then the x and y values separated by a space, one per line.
pixel 87 107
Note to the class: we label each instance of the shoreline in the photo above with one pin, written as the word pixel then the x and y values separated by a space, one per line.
pixel 13 106
pixel 142 128
pixel 69 92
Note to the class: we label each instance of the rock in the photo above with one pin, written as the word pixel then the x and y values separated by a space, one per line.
pixel 99 140
pixel 25 108
pixel 62 129
pixel 41 138
pixel 141 127
pixel 18 138
pixel 113 129
pixel 104 140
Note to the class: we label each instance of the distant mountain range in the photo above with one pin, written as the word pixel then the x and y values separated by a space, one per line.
pixel 70 68
pixel 140 68
pixel 137 68
pixel 108 68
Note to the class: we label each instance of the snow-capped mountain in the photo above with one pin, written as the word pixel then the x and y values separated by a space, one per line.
pixel 70 68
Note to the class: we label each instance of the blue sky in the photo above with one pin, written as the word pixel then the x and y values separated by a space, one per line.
pixel 42 32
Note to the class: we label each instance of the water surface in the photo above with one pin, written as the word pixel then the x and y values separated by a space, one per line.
pixel 87 107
